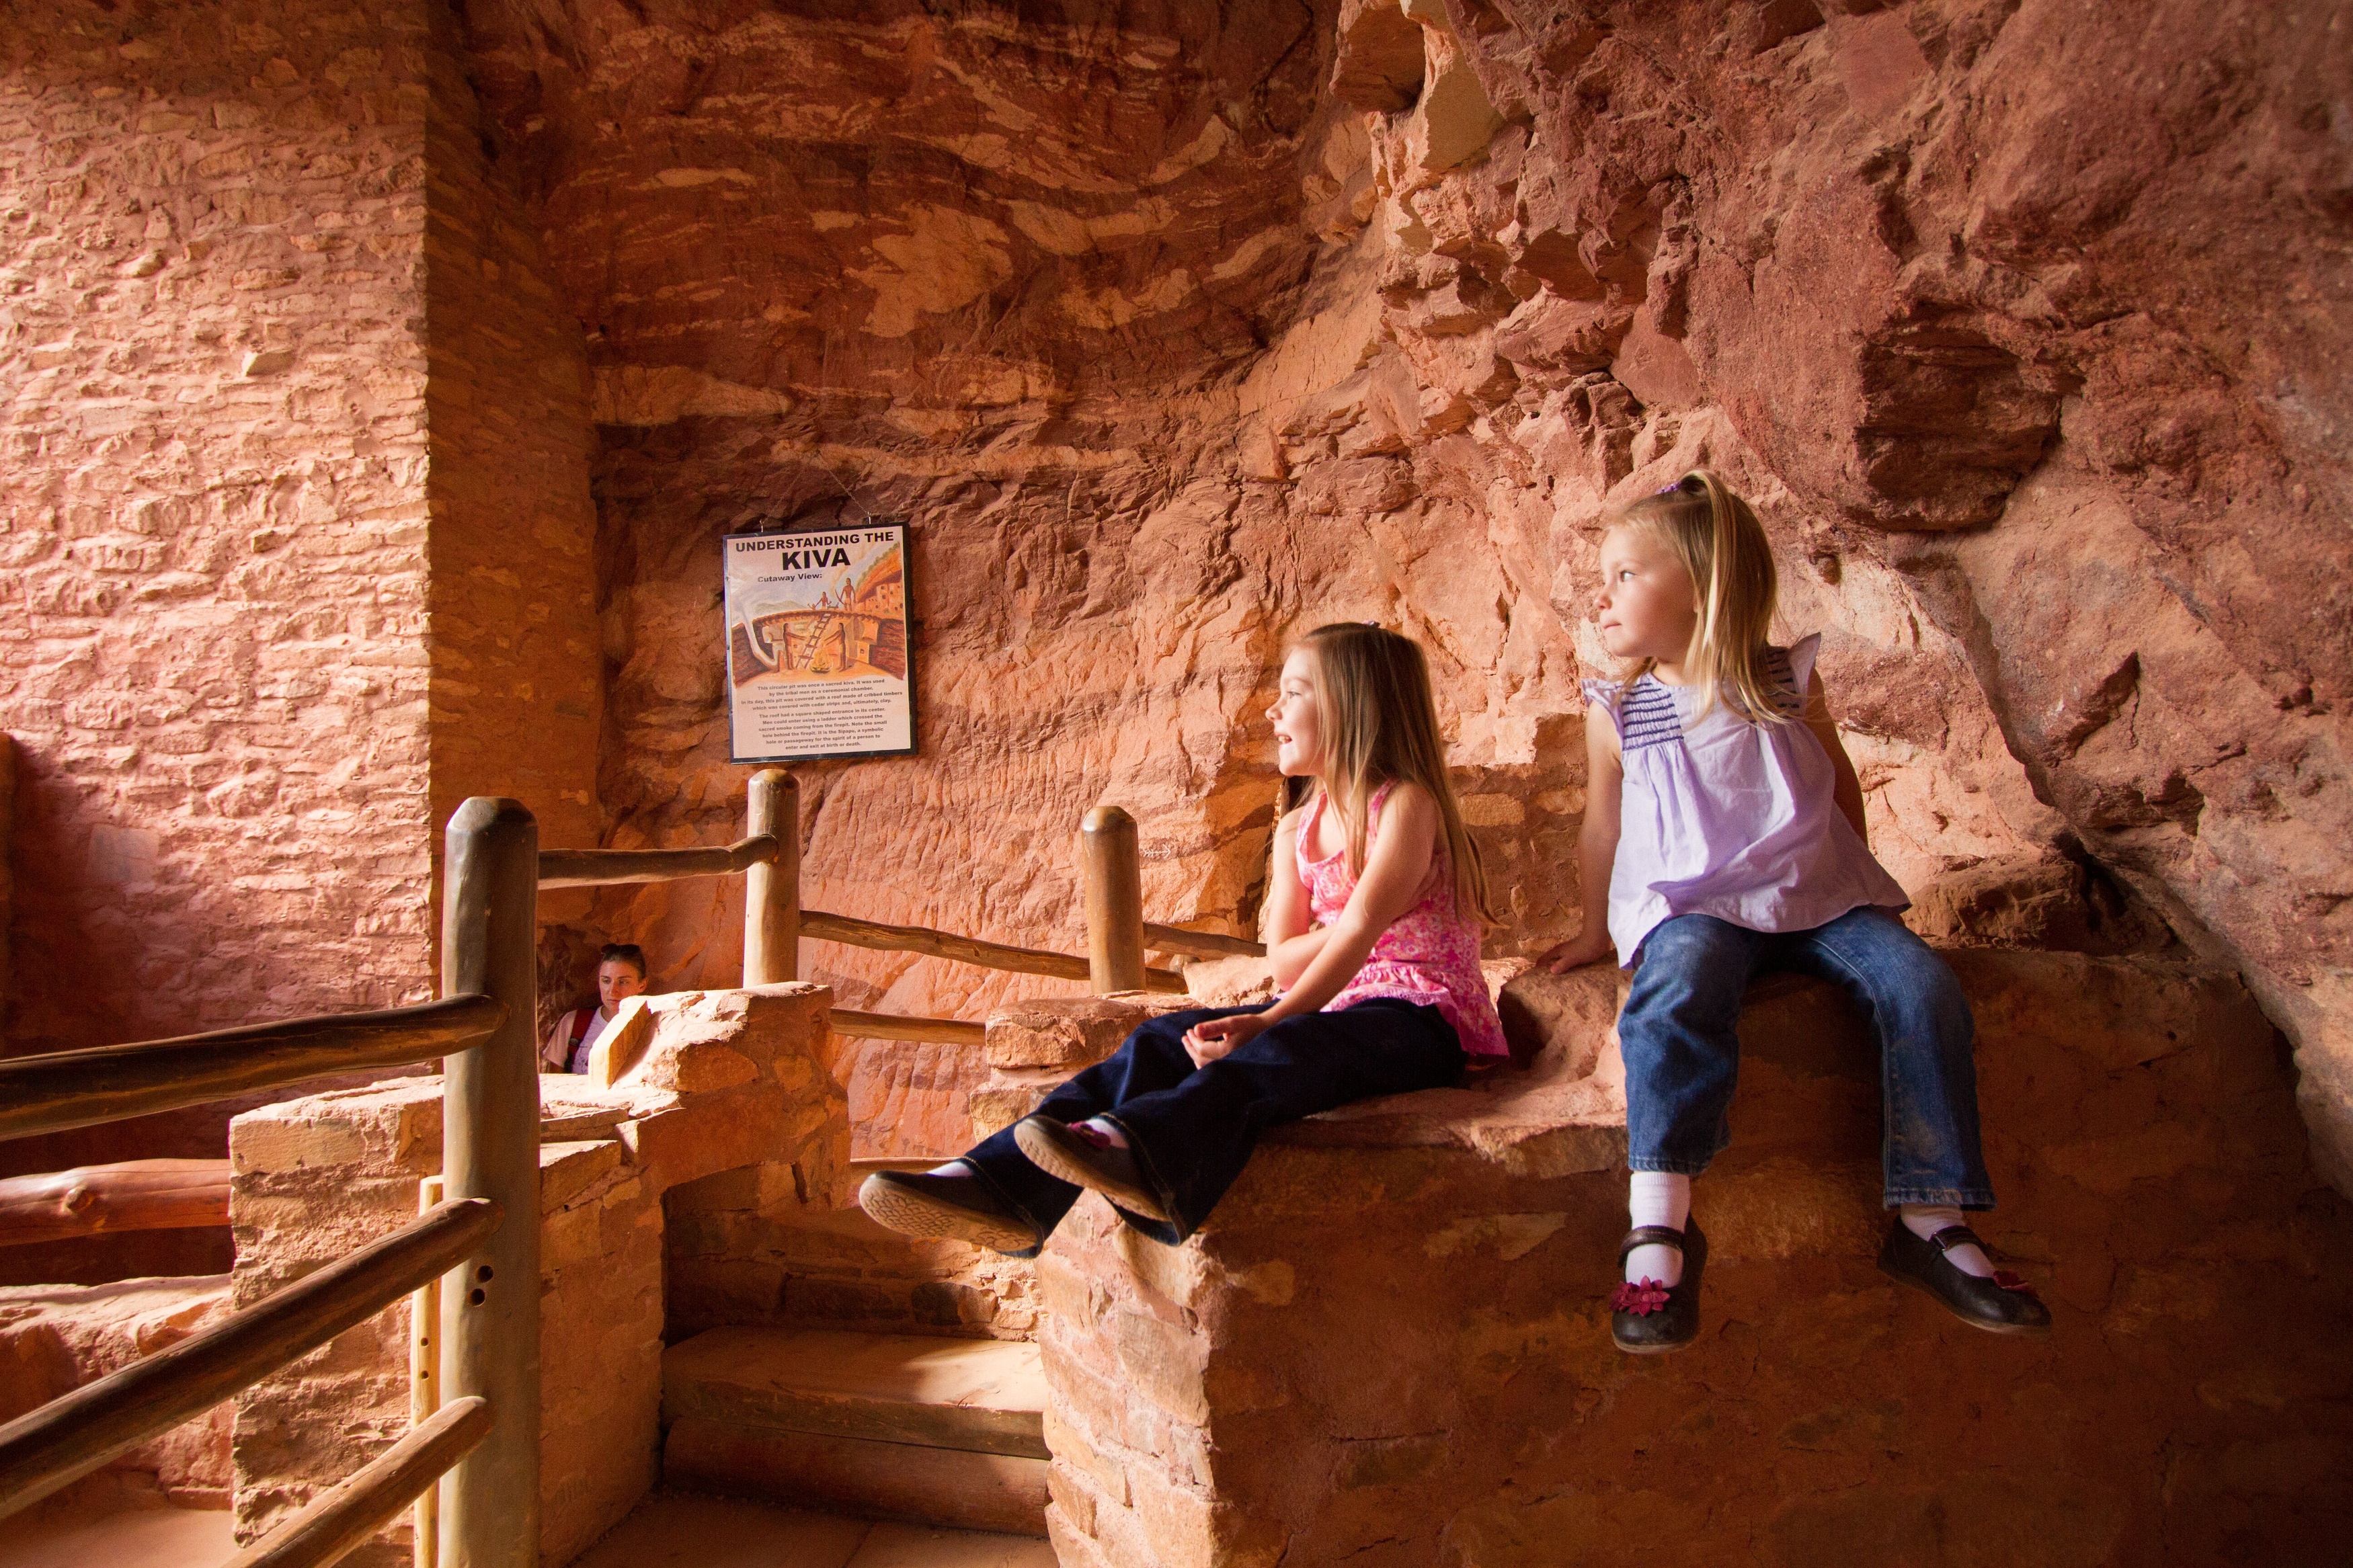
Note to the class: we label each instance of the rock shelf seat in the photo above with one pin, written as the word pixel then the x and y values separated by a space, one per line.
pixel 1389 1345
pixel 938 1431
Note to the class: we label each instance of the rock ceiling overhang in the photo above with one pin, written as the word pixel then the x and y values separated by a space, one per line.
pixel 902 216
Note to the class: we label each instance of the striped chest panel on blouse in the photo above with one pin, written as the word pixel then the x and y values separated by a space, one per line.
pixel 1650 716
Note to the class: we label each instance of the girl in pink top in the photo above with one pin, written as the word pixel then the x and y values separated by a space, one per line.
pixel 1373 919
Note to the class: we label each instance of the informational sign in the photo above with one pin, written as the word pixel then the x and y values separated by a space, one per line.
pixel 818 645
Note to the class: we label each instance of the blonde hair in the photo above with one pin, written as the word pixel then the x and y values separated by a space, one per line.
pixel 1716 537
pixel 1379 724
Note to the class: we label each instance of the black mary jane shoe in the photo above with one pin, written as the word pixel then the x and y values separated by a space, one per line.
pixel 1085 1158
pixel 2005 1304
pixel 953 1207
pixel 1649 1317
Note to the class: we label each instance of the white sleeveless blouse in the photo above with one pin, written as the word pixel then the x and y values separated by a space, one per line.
pixel 1730 818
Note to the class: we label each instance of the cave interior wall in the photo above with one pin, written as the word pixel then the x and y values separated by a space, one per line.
pixel 1175 334
pixel 1174 330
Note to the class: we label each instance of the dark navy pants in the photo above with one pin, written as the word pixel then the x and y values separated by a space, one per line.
pixel 1192 1129
pixel 1679 1036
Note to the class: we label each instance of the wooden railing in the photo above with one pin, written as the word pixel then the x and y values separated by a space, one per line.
pixel 478 1439
pixel 486 1439
pixel 101 1200
pixel 768 857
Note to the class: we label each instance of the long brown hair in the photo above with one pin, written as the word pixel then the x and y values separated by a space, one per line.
pixel 1716 537
pixel 1380 721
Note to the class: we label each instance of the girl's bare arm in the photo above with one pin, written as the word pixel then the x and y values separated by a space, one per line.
pixel 1847 789
pixel 1597 847
pixel 1293 956
pixel 1290 944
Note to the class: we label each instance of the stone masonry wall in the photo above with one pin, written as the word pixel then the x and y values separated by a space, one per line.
pixel 289 423
pixel 213 513
pixel 316 1178
pixel 720 1081
pixel 1382 1350
pixel 517 662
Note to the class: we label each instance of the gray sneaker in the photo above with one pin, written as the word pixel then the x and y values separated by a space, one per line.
pixel 949 1208
pixel 1085 1158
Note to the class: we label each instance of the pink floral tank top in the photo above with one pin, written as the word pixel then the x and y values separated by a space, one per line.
pixel 1428 955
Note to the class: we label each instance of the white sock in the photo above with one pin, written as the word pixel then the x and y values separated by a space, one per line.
pixel 1924 1220
pixel 1108 1129
pixel 953 1168
pixel 1657 1198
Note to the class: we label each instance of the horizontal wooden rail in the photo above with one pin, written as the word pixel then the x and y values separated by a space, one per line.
pixel 79 1432
pixel 338 1521
pixel 897 1027
pixel 1199 943
pixel 94 1200
pixel 856 932
pixel 601 868
pixel 81 1088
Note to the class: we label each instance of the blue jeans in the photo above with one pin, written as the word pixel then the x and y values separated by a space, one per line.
pixel 1192 1129
pixel 1679 1036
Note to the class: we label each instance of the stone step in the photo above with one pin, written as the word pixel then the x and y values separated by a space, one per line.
pixel 668 1529
pixel 942 1431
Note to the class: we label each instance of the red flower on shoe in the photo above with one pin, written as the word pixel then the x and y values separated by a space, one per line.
pixel 2014 1282
pixel 1642 1300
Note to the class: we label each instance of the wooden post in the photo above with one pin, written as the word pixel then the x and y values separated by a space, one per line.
pixel 424 1388
pixel 489 1149
pixel 1114 879
pixel 772 893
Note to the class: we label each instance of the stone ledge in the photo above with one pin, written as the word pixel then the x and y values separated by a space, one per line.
pixel 1384 1347
pixel 54 1339
pixel 1561 1112
pixel 1561 1109
pixel 314 1178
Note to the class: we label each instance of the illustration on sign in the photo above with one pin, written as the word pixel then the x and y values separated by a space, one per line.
pixel 817 655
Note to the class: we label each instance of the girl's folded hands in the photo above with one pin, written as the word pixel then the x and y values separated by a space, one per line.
pixel 1211 1038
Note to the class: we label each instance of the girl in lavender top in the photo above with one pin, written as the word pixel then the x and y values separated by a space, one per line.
pixel 1724 837
pixel 1373 921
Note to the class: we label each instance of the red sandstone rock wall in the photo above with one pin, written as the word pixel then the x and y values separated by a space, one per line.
pixel 1172 332
pixel 2024 327
pixel 1104 571
pixel 2043 310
